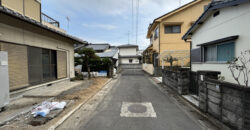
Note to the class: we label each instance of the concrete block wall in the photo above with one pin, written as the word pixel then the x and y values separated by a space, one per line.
pixel 178 80
pixel 225 101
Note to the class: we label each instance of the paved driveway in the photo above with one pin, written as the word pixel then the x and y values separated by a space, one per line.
pixel 134 103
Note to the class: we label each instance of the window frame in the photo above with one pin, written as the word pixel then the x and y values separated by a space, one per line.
pixel 216 45
pixel 130 60
pixel 172 26
pixel 156 33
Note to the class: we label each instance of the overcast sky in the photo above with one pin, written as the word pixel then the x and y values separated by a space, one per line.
pixel 107 21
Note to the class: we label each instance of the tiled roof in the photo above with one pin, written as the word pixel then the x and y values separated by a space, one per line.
pixel 36 23
pixel 127 46
pixel 111 53
pixel 98 47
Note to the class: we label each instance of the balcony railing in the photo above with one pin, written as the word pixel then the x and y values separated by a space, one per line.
pixel 50 20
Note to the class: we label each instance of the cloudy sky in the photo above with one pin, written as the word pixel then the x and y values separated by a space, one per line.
pixel 107 21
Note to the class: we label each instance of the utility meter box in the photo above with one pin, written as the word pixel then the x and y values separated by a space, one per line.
pixel 4 79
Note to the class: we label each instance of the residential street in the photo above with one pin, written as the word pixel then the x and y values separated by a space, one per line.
pixel 134 87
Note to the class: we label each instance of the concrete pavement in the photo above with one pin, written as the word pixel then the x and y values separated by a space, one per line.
pixel 135 103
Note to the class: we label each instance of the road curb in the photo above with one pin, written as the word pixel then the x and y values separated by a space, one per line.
pixel 58 123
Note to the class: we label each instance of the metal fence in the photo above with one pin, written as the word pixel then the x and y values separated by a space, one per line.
pixel 50 20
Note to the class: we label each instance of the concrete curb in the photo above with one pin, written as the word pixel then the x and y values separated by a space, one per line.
pixel 58 123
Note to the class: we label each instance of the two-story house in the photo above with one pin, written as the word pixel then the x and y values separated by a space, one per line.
pixel 166 31
pixel 39 52
pixel 220 34
pixel 128 54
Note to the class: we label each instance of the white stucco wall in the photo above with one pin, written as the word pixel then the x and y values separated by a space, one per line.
pixel 231 21
pixel 149 68
pixel 23 37
pixel 127 51
pixel 126 60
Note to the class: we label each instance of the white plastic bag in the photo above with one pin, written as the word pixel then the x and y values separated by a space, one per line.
pixel 46 107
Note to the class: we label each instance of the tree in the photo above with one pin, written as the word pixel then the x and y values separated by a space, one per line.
pixel 171 60
pixel 86 55
pixel 240 66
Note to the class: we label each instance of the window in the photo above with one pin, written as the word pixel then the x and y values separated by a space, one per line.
pixel 151 39
pixel 156 35
pixel 49 64
pixel 173 29
pixel 42 65
pixel 219 53
pixel 130 60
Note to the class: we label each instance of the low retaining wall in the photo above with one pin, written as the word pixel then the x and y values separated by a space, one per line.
pixel 149 68
pixel 130 66
pixel 178 80
pixel 229 103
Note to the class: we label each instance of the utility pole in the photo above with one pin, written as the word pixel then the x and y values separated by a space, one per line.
pixel 132 19
pixel 137 19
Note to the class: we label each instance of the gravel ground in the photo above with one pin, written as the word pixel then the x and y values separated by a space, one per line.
pixel 73 97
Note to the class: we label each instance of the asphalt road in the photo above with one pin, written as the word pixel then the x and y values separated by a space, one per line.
pixel 135 87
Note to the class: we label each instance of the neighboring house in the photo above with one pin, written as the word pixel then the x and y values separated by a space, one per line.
pixel 165 33
pixel 103 51
pixel 37 54
pixel 221 33
pixel 112 53
pixel 128 54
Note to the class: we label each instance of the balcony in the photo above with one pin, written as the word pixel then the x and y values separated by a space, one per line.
pixel 47 19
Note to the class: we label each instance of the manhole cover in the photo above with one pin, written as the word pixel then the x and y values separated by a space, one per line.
pixel 137 108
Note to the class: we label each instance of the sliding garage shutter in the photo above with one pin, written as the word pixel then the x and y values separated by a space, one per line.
pixel 18 65
pixel 61 64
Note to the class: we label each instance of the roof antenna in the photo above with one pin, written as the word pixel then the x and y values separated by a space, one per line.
pixel 67 18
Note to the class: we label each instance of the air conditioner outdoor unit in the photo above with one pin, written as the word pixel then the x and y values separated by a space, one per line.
pixel 4 79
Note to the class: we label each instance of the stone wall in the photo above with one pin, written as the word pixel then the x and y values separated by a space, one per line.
pixel 177 79
pixel 229 103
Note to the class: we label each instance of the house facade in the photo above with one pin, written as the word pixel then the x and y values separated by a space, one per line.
pixel 165 33
pixel 220 34
pixel 37 54
pixel 128 54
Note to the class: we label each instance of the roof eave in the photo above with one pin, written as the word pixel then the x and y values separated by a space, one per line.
pixel 208 13
pixel 26 19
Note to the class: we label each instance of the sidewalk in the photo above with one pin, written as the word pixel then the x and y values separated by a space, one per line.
pixel 25 102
